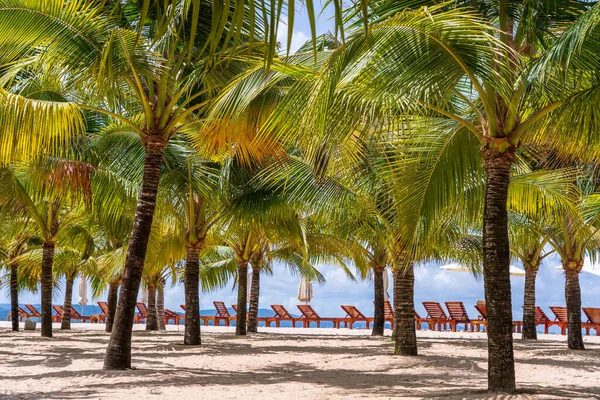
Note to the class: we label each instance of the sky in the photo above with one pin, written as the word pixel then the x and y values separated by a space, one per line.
pixel 431 283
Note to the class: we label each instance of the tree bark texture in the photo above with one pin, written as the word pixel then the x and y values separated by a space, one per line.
pixel 14 296
pixel 113 296
pixel 160 306
pixel 192 297
pixel 66 318
pixel 496 260
pixel 152 319
pixel 404 314
pixel 118 353
pixel 573 299
pixel 240 323
pixel 46 284
pixel 254 297
pixel 379 313
pixel 529 325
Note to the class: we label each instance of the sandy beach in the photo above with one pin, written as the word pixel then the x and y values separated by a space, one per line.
pixel 285 364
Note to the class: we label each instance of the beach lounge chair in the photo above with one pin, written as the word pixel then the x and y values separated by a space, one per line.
pixel 258 319
pixel 281 314
pixel 22 315
pixel 542 319
pixel 481 308
pixel 353 315
pixel 35 313
pixel 388 313
pixel 103 311
pixel 560 318
pixel 458 315
pixel 142 312
pixel 204 318
pixel 173 316
pixel 222 313
pixel 419 320
pixel 74 314
pixel 436 314
pixel 593 320
pixel 309 315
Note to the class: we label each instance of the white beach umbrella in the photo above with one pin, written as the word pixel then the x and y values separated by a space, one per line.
pixel 386 285
pixel 587 267
pixel 305 291
pixel 514 271
pixel 83 300
pixel 249 287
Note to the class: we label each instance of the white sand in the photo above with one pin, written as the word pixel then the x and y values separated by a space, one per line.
pixel 285 363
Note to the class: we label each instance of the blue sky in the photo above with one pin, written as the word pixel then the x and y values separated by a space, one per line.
pixel 431 283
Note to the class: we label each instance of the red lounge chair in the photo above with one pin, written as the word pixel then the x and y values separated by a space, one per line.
pixel 222 313
pixel 482 309
pixel 204 318
pixel 173 316
pixel 22 315
pixel 458 315
pixel 436 314
pixel 258 319
pixel 308 315
pixel 281 314
pixel 593 320
pixel 35 313
pixel 103 311
pixel 74 314
pixel 419 320
pixel 561 320
pixel 388 315
pixel 353 315
pixel 142 312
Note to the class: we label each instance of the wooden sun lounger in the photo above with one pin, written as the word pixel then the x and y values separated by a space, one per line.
pixel 258 319
pixel 142 312
pixel 73 314
pixel 281 314
pixel 458 315
pixel 436 314
pixel 309 315
pixel 593 320
pixel 222 313
pixel 204 318
pixel 388 313
pixel 560 318
pixel 35 313
pixel 419 320
pixel 517 325
pixel 22 314
pixel 173 316
pixel 353 315
pixel 103 311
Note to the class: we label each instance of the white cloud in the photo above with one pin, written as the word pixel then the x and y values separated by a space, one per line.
pixel 298 38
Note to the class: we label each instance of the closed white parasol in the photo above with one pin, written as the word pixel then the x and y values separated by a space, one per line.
pixel 386 285
pixel 305 291
pixel 83 300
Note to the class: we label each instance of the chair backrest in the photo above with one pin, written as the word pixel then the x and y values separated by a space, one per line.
pixel 22 312
pixel 482 309
pixel 234 306
pixel 182 306
pixel 103 307
pixel 221 309
pixel 59 310
pixel 74 313
pixel 280 311
pixel 560 313
pixel 457 311
pixel 170 313
pixel 388 310
pixel 142 309
pixel 353 312
pixel 417 316
pixel 540 315
pixel 592 314
pixel 434 310
pixel 33 310
pixel 307 311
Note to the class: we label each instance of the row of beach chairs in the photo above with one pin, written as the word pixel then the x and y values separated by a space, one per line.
pixel 436 318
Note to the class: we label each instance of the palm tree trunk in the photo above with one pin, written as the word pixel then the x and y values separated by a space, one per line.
pixel 192 297
pixel 240 323
pixel 152 320
pixel 160 306
pixel 379 314
pixel 66 318
pixel 14 296
pixel 529 325
pixel 118 353
pixel 113 295
pixel 397 291
pixel 406 335
pixel 573 297
pixel 46 284
pixel 254 296
pixel 496 259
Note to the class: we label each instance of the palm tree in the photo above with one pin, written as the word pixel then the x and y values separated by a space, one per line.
pixel 48 192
